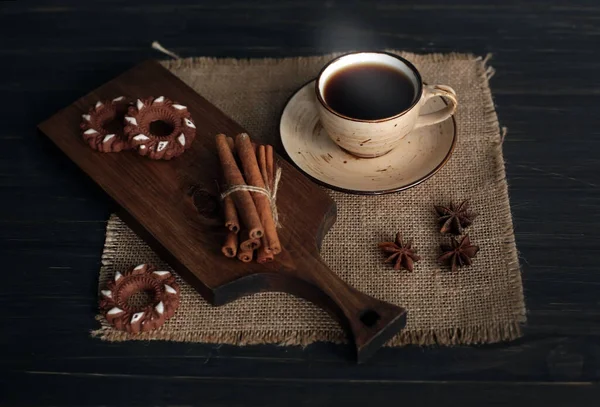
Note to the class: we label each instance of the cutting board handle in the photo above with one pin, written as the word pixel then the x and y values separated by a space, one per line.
pixel 368 321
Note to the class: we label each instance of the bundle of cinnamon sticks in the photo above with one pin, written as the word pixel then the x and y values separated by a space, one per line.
pixel 252 232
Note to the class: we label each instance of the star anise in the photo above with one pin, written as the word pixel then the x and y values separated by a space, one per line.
pixel 455 218
pixel 458 254
pixel 403 254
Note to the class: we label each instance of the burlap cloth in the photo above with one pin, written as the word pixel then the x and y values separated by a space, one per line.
pixel 479 304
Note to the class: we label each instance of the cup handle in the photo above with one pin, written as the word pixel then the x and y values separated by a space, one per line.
pixel 447 93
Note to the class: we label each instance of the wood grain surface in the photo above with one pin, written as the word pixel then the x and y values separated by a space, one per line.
pixel 53 217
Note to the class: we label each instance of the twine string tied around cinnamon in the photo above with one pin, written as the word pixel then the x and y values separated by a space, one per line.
pixel 268 192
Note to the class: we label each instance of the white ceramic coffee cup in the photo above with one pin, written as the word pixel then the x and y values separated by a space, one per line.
pixel 373 138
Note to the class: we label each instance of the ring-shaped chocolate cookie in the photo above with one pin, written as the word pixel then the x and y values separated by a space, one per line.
pixel 164 299
pixel 102 125
pixel 159 128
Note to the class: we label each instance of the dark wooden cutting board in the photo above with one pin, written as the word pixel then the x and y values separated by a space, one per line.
pixel 173 205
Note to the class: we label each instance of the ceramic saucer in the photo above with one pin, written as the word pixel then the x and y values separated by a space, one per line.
pixel 420 155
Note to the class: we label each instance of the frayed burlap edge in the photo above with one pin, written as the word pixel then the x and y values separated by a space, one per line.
pixel 470 335
pixel 489 333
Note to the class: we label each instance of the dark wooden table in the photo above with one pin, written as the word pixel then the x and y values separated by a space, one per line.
pixel 547 91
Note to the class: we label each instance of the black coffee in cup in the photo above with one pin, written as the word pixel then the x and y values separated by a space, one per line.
pixel 369 91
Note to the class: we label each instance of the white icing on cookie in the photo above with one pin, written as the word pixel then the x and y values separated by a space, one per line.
pixel 141 266
pixel 160 307
pixel 108 137
pixel 90 131
pixel 170 289
pixel 118 99
pixel 189 123
pixel 159 99
pixel 142 147
pixel 181 139
pixel 86 117
pixel 118 276
pixel 161 145
pixel 114 311
pixel 131 120
pixel 141 137
pixel 139 105
pixel 107 293
pixel 98 104
pixel 161 273
pixel 136 317
pixel 179 107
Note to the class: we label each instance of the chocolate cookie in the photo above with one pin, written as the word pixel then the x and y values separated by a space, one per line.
pixel 164 299
pixel 102 126
pixel 159 128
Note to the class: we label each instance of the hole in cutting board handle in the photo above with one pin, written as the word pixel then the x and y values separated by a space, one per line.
pixel 369 317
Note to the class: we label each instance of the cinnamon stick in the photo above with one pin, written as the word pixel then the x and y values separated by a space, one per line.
pixel 243 201
pixel 263 206
pixel 270 165
pixel 231 218
pixel 232 221
pixel 247 243
pixel 245 256
pixel 229 248
pixel 262 165
pixel 231 143
pixel 262 256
